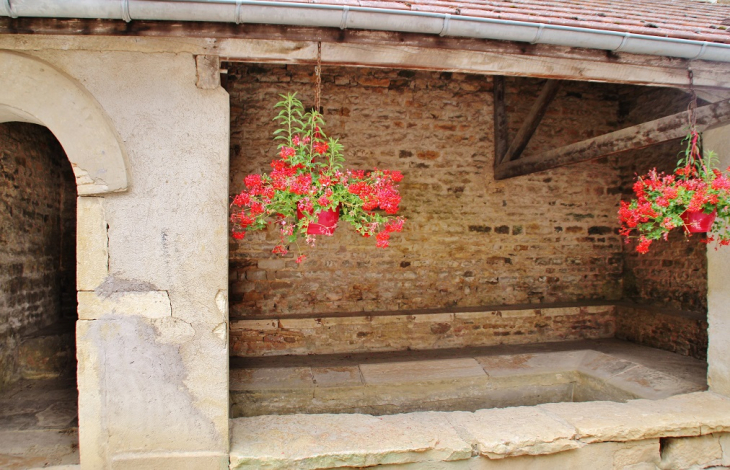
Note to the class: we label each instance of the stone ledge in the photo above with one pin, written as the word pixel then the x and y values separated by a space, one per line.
pixel 347 440
pixel 331 441
pixel 420 330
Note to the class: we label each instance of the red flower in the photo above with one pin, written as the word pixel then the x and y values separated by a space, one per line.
pixel 280 250
pixel 382 239
pixel 286 152
pixel 670 192
pixel 257 208
pixel 253 181
pixel 320 147
pixel 644 244
pixel 241 199
pixel 239 235
pixel 395 225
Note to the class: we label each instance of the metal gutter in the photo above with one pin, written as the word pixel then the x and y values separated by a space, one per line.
pixel 355 17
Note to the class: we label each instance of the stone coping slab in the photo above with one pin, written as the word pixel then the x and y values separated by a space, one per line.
pixel 356 440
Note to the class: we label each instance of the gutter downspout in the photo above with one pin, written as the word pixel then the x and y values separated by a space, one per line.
pixel 355 17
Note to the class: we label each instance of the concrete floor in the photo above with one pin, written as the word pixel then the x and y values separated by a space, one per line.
pixel 460 379
pixel 38 424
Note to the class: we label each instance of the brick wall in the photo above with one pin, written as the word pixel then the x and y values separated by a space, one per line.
pixel 674 273
pixel 469 241
pixel 37 240
pixel 677 331
pixel 671 280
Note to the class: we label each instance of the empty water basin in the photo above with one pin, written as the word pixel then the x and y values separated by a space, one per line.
pixel 486 378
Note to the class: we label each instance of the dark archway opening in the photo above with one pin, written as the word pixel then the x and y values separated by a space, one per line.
pixel 38 393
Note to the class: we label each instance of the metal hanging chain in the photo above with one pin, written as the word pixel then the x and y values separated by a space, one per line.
pixel 318 78
pixel 695 144
pixel 692 106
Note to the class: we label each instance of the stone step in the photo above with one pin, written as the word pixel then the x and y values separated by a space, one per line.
pixel 459 379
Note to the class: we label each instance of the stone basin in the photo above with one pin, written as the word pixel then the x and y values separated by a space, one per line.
pixel 461 380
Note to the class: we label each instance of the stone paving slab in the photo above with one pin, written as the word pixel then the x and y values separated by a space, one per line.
pixel 524 364
pixel 652 384
pixel 271 378
pixel 421 371
pixel 385 384
pixel 336 376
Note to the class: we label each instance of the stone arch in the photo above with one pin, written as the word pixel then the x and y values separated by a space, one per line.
pixel 34 91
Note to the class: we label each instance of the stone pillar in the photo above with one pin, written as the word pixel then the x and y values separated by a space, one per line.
pixel 718 285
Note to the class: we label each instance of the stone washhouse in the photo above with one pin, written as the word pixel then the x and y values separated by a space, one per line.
pixel 507 327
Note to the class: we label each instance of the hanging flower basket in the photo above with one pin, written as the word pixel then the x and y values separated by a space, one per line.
pixel 698 221
pixel 695 198
pixel 308 190
pixel 326 221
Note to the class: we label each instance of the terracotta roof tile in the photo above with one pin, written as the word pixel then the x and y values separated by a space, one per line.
pixel 681 19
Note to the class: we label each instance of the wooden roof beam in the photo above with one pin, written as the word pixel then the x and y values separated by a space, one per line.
pixel 632 138
pixel 529 125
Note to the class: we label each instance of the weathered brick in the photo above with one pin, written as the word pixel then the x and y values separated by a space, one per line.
pixel 37 237
pixel 459 218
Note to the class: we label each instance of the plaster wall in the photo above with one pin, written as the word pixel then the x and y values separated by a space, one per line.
pixel 152 338
pixel 718 286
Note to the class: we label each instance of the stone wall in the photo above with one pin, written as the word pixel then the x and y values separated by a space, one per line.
pixel 671 279
pixel 37 239
pixel 673 273
pixel 408 330
pixel 678 331
pixel 469 241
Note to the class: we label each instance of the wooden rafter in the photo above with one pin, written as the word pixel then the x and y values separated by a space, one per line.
pixel 529 125
pixel 294 44
pixel 632 138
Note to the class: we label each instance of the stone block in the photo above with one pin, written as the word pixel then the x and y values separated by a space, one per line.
pixel 171 461
pixel 272 264
pixel 300 323
pixel 682 415
pixel 150 304
pixel 637 455
pixel 346 440
pixel 690 452
pixel 432 318
pixel 208 71
pixel 255 325
pixel 509 432
pixel 158 383
pixel 92 243
pixel 725 445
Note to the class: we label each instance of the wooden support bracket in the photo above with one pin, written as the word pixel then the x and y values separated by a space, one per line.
pixel 632 138
pixel 529 125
